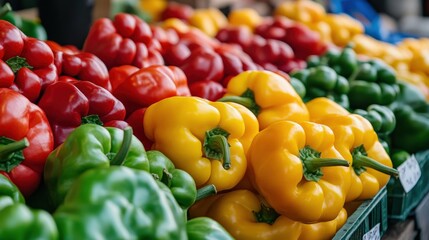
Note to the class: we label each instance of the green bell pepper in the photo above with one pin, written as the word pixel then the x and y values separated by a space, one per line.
pixel 323 81
pixel 373 82
pixel 181 184
pixel 346 63
pixel 412 129
pixel 18 221
pixel 381 118
pixel 119 203
pixel 298 86
pixel 204 228
pixel 398 157
pixel 91 146
pixel 29 27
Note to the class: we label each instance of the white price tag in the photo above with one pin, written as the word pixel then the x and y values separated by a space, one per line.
pixel 373 234
pixel 409 173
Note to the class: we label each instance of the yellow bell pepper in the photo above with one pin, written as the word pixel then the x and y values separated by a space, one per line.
pixel 208 20
pixel 200 137
pixel 247 17
pixel 358 143
pixel 176 24
pixel 343 27
pixel 302 11
pixel 245 215
pixel 298 170
pixel 153 7
pixel 268 95
pixel 321 107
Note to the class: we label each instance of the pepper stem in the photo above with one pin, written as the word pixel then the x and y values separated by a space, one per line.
pixel 11 153
pixel 5 9
pixel 311 163
pixel 206 191
pixel 17 62
pixel 361 161
pixel 216 146
pixel 93 118
pixel 266 215
pixel 246 99
pixel 125 147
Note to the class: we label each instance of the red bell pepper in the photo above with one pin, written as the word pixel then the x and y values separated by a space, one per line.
pixel 304 41
pixel 68 103
pixel 119 74
pixel 127 40
pixel 207 89
pixel 135 120
pixel 150 85
pixel 166 37
pixel 25 140
pixel 235 61
pixel 56 47
pixel 177 10
pixel 239 35
pixel 26 64
pixel 203 64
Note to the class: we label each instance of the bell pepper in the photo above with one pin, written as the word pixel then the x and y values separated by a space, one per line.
pixel 246 215
pixel 301 11
pixel 135 120
pixel 235 61
pixel 19 221
pixel 248 17
pixel 82 66
pixel 91 146
pixel 412 129
pixel 30 28
pixel 343 28
pixel 203 64
pixel 127 40
pixel 181 184
pixel 119 203
pixel 118 75
pixel 27 64
pixel 373 82
pixel 381 118
pixel 204 228
pixel 200 137
pixel 208 20
pixel 25 140
pixel 310 177
pixel 69 103
pixel 56 47
pixel 321 107
pixel 238 35
pixel 207 89
pixel 323 81
pixel 166 37
pixel 150 85
pixel 268 95
pixel 358 143
pixel 177 10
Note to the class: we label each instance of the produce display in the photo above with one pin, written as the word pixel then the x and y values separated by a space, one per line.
pixel 193 124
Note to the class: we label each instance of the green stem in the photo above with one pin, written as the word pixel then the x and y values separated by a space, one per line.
pixel 247 102
pixel 316 163
pixel 125 147
pixel 206 191
pixel 266 215
pixel 17 62
pixel 216 146
pixel 11 153
pixel 91 119
pixel 6 150
pixel 5 9
pixel 360 160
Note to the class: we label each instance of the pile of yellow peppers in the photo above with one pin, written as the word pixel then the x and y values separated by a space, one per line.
pixel 283 169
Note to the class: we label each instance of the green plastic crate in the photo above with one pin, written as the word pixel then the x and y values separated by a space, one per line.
pixel 367 215
pixel 401 204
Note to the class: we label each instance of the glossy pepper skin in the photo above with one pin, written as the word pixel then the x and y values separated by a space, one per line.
pixel 150 85
pixel 82 66
pixel 30 28
pixel 381 118
pixel 268 95
pixel 69 103
pixel 200 137
pixel 181 184
pixel 91 146
pixel 18 220
pixel 309 177
pixel 27 64
pixel 246 215
pixel 357 141
pixel 119 203
pixel 204 228
pixel 323 81
pixel 125 40
pixel 25 140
